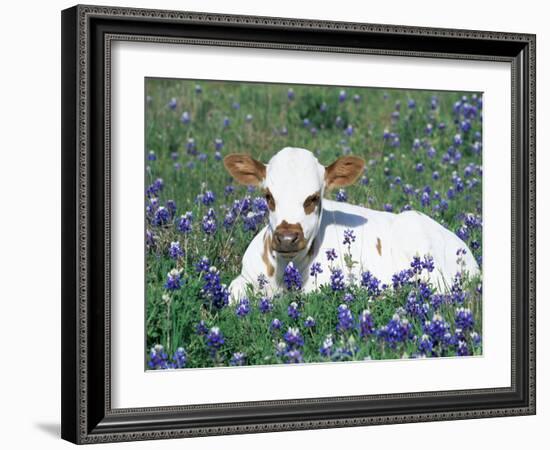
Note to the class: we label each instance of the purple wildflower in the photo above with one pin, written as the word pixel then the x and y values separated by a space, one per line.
pixel 337 280
pixel 292 277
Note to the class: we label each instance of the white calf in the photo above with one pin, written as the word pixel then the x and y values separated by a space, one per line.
pixel 303 226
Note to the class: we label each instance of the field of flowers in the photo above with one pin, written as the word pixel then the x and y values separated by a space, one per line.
pixel 423 151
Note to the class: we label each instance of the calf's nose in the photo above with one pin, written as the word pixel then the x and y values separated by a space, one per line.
pixel 286 241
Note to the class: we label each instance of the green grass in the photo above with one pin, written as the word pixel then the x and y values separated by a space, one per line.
pixel 172 317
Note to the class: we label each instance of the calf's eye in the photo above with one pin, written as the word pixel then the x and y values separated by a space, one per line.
pixel 311 202
pixel 270 200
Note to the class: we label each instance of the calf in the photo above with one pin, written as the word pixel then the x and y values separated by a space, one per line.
pixel 303 225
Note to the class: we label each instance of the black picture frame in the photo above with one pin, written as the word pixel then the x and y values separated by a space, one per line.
pixel 87 33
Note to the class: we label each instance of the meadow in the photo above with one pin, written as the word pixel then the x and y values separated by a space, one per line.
pixel 423 152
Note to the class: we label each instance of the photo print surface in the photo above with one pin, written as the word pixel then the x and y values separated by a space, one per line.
pixel 294 224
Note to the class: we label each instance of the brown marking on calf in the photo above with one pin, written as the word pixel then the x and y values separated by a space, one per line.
pixel 311 202
pixel 269 199
pixel 265 256
pixel 379 246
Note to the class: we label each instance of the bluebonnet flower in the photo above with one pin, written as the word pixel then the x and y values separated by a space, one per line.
pixel 419 167
pixel 262 281
pixel 428 263
pixel 203 265
pixel 229 189
pixel 292 277
pixel 276 324
pixel 218 143
pixel 349 237
pixel 265 305
pixel 208 198
pixel 315 269
pixel 475 337
pixel 293 356
pixel 173 280
pixel 397 330
pixel 366 324
pixel 463 233
pixel 411 103
pixel 226 122
pixel 365 180
pixel 323 108
pixel 348 297
pixel 465 126
pixel 293 337
pixel 436 328
pixel 281 348
pixel 198 89
pixel 290 94
pixel 457 139
pixel 326 347
pixel 356 98
pixel 345 318
pixel 425 346
pixel 158 358
pixel 171 207
pixel 306 122
pixel 342 96
pixel 175 251
pixel 209 225
pixel 425 199
pixel 150 238
pixel 213 290
pixel 215 338
pixel 388 207
pixel 341 195
pixel 243 308
pixel 180 358
pixel 185 117
pixel 173 103
pixel 462 349
pixel 184 223
pixel 292 311
pixel 309 322
pixel 416 264
pixel 369 281
pixel 236 105
pixel 428 129
pixel 349 130
pixel 464 318
pixel 201 329
pixel 337 280
pixel 436 300
pixel 238 359
pixel 162 216
pixel 331 254
pixel 402 278
pixel 151 156
pixel 191 146
pixel 431 152
pixel 415 307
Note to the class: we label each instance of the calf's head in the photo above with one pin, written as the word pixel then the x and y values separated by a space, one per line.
pixel 293 183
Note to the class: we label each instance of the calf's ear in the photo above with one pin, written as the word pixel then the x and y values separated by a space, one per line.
pixel 244 169
pixel 344 171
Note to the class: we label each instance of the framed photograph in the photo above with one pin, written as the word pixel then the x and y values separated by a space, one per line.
pixel 281 224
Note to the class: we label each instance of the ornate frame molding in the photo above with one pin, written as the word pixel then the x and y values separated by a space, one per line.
pixel 80 71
